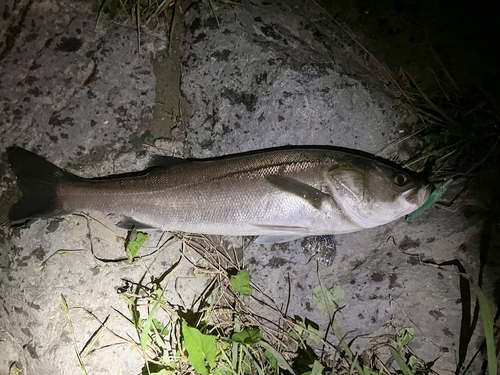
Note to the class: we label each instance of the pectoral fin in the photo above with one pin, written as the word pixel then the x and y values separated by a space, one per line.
pixel 312 195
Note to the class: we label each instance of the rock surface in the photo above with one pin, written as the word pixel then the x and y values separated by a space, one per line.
pixel 262 80
pixel 259 75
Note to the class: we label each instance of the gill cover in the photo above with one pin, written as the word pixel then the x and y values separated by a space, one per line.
pixel 348 190
pixel 372 195
pixel 349 183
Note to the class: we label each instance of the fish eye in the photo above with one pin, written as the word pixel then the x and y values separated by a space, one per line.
pixel 400 179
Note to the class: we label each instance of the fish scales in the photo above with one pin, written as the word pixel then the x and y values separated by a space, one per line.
pixel 201 196
pixel 276 194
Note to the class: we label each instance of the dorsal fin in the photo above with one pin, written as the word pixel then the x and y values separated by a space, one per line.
pixel 161 161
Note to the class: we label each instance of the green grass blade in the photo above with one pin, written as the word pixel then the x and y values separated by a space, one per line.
pixel 326 301
pixel 147 326
pixel 273 362
pixel 235 346
pixel 259 365
pixel 222 368
pixel 345 345
pixel 281 360
pixel 66 310
pixel 95 338
pixel 400 361
pixel 487 318
pixel 353 364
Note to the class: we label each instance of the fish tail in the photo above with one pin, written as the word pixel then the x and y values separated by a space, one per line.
pixel 38 180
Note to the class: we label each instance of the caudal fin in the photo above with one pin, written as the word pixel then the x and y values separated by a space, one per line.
pixel 38 179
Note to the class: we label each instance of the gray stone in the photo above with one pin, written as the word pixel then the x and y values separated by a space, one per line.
pixel 273 74
pixel 263 81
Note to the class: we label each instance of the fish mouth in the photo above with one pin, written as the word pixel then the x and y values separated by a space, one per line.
pixel 418 196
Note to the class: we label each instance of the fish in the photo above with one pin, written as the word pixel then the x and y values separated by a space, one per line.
pixel 278 195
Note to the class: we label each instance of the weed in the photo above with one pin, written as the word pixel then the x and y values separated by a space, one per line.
pixel 458 133
pixel 143 11
pixel 233 328
pixel 133 243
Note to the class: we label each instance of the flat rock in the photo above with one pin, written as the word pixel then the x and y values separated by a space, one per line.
pixel 259 75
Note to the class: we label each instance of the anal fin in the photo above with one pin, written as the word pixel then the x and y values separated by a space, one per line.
pixel 277 238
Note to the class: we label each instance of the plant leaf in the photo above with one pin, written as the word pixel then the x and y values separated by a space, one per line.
pixel 157 369
pixel 272 360
pixel 162 330
pixel 309 334
pixel 247 336
pixel 317 368
pixel 199 348
pixel 314 334
pixel 405 336
pixel 240 283
pixel 326 299
pixel 134 246
pixel 15 370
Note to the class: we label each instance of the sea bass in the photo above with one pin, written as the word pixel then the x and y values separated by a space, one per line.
pixel 278 194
